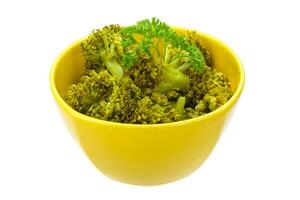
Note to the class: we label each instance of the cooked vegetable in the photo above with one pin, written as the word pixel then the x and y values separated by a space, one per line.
pixel 103 48
pixel 180 106
pixel 156 40
pixel 92 88
pixel 155 109
pixel 147 74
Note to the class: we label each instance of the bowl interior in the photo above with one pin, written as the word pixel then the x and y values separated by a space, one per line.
pixel 69 66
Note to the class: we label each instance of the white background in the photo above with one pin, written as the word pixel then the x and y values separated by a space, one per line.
pixel 257 156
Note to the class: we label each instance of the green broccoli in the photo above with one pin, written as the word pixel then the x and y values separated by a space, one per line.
pixel 103 48
pixel 125 100
pixel 100 95
pixel 146 74
pixel 208 91
pixel 155 109
pixel 120 105
pixel 157 41
pixel 92 88
pixel 192 38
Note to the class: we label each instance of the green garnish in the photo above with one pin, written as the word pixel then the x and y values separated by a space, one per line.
pixel 156 40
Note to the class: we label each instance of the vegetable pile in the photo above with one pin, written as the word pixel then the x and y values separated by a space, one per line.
pixel 146 74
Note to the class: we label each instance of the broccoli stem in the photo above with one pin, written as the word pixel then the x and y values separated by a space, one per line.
pixel 114 68
pixel 166 53
pixel 173 79
pixel 179 107
pixel 184 67
pixel 174 64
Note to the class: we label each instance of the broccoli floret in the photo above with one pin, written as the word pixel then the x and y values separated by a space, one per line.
pixel 146 74
pixel 92 88
pixel 208 91
pixel 157 41
pixel 155 109
pixel 103 49
pixel 120 104
pixel 125 100
pixel 192 38
pixel 101 96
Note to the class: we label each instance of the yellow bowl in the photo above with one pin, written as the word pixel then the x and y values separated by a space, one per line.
pixel 146 154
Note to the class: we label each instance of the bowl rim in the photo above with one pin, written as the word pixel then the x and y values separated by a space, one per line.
pixel 212 114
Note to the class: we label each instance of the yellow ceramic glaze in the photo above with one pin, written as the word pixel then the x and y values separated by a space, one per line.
pixel 146 154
